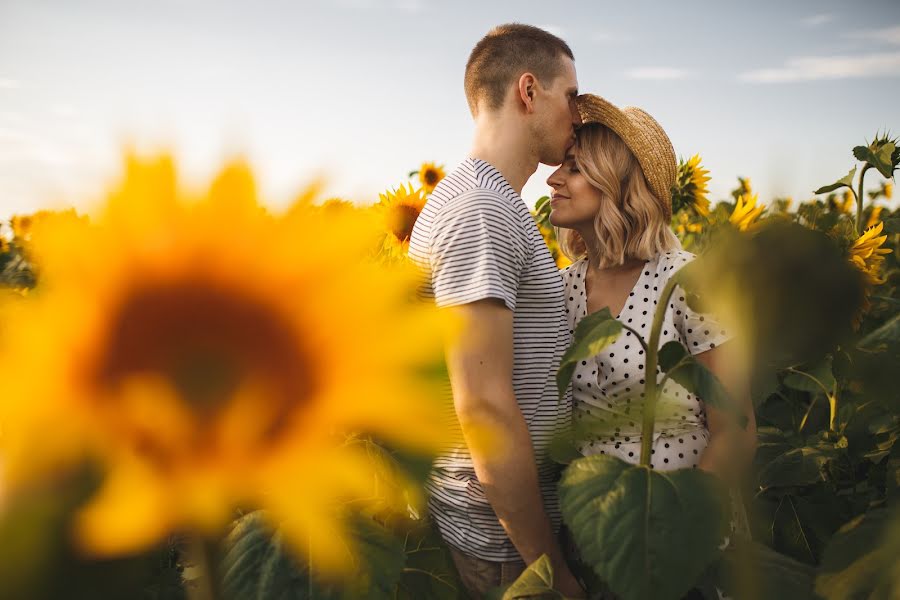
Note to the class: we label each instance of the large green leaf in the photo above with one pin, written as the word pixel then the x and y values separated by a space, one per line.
pixel 648 534
pixel 817 378
pixel 429 571
pixel 891 225
pixel 594 333
pixel 881 159
pixel 861 561
pixel 888 333
pixel 846 181
pixel 802 525
pixel 535 582
pixel 798 467
pixel 684 369
pixel 259 564
pixel 752 570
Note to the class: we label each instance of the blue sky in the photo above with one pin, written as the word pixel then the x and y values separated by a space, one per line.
pixel 365 90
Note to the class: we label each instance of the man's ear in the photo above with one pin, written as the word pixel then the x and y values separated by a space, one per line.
pixel 527 90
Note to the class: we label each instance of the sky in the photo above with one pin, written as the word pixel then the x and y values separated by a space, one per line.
pixel 364 91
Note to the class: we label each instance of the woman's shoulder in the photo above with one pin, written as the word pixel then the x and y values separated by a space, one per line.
pixel 672 260
pixel 572 269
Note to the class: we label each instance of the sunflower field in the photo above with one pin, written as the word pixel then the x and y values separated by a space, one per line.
pixel 186 413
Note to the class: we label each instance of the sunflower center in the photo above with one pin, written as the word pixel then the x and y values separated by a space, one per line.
pixel 403 219
pixel 431 177
pixel 206 340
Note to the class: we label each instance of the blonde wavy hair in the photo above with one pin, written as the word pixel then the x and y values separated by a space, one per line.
pixel 631 222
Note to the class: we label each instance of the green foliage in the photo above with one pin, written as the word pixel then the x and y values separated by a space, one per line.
pixel 684 369
pixel 594 333
pixel 845 181
pixel 259 564
pixel 535 582
pixel 628 519
pixel 863 559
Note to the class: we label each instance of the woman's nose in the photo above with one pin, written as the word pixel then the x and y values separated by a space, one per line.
pixel 554 179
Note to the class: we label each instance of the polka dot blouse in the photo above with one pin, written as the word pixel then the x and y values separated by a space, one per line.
pixel 608 389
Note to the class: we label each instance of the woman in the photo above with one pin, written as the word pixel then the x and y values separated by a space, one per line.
pixel 612 198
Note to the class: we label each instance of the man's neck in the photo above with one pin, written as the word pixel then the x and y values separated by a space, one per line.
pixel 504 145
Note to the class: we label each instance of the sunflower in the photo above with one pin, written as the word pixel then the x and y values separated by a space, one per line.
pixel 430 174
pixel 684 225
pixel 888 189
pixel 691 189
pixel 866 253
pixel 205 370
pixel 874 216
pixel 399 211
pixel 746 212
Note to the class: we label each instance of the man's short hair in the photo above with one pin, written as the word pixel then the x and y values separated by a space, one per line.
pixel 506 52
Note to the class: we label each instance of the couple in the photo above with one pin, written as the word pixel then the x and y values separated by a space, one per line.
pixel 495 502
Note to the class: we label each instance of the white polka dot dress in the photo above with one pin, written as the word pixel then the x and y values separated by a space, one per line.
pixel 608 389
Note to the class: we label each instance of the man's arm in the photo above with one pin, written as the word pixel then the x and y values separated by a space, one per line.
pixel 731 449
pixel 480 362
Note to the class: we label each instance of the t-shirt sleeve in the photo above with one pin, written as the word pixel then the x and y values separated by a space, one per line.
pixel 479 249
pixel 699 331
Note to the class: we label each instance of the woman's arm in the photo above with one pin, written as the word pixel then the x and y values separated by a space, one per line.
pixel 731 449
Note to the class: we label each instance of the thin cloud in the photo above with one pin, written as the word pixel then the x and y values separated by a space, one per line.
pixel 554 29
pixel 817 20
pixel 9 84
pixel 605 37
pixel 657 73
pixel 888 35
pixel 814 68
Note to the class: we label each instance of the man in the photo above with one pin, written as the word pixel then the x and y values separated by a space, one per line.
pixel 495 503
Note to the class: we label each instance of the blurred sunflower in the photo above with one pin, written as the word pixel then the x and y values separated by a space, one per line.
pixel 684 225
pixel 746 212
pixel 206 370
pixel 399 211
pixel 866 253
pixel 691 189
pixel 549 235
pixel 874 216
pixel 888 189
pixel 847 204
pixel 744 188
pixel 430 174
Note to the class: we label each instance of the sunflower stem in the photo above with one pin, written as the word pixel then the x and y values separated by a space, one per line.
pixel 204 555
pixel 833 405
pixel 650 387
pixel 860 226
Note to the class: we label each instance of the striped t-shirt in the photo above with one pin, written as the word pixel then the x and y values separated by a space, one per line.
pixel 476 239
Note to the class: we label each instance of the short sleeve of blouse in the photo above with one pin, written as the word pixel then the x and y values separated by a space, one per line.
pixel 480 248
pixel 699 331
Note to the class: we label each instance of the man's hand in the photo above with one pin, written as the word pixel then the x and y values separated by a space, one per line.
pixel 480 362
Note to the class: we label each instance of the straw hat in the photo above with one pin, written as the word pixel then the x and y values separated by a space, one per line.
pixel 643 136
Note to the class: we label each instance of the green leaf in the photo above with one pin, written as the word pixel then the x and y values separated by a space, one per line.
pixel 816 379
pixel 891 225
pixel 752 570
pixel 594 333
pixel 647 534
pixel 860 559
pixel 861 153
pixel 535 582
pixel 542 202
pixel 429 571
pixel 800 466
pixel 887 334
pixel 881 159
pixel 846 181
pixel 685 370
pixel 259 563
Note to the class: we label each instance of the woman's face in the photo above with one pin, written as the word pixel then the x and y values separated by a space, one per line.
pixel 575 202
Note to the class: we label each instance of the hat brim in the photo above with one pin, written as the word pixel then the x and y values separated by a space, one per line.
pixel 643 135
